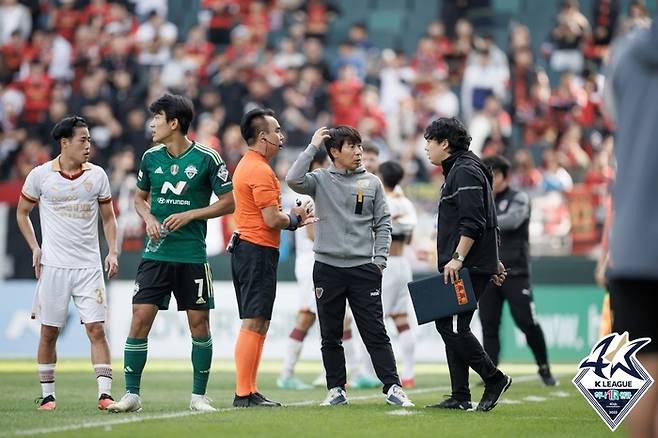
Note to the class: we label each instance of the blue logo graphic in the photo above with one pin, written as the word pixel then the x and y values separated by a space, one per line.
pixel 611 378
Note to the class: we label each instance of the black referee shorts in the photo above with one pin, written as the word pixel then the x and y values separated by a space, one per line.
pixel 254 278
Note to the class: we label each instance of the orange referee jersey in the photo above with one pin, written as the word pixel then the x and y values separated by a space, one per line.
pixel 255 187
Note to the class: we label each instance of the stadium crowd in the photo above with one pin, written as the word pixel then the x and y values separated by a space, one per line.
pixel 105 60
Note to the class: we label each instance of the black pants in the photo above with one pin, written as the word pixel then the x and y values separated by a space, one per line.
pixel 634 303
pixel 463 350
pixel 361 286
pixel 516 290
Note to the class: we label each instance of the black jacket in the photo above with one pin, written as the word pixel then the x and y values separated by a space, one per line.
pixel 466 208
pixel 513 209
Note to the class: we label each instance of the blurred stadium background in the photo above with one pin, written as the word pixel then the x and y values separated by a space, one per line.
pixel 526 76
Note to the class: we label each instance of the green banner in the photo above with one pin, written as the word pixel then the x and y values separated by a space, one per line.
pixel 570 316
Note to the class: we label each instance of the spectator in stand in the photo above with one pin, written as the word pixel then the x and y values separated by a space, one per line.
pixel 345 95
pixel 492 120
pixel 572 155
pixel 33 153
pixel 11 56
pixel 462 47
pixel 427 65
pixel 14 16
pixel 347 55
pixel 314 53
pixel 638 16
pixel 605 15
pixel 482 78
pixel 318 15
pixel 526 177
pixel 555 177
pixel 219 17
pixel 36 87
pixel 567 37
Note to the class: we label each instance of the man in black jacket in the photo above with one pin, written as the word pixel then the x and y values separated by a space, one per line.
pixel 467 237
pixel 513 210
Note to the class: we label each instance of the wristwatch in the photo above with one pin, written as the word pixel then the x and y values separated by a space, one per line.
pixel 458 257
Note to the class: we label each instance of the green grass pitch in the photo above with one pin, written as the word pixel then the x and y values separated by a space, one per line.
pixel 527 410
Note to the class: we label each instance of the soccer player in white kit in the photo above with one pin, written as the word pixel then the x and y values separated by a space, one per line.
pixel 395 295
pixel 72 193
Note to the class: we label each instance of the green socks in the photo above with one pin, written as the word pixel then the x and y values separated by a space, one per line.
pixel 134 359
pixel 201 362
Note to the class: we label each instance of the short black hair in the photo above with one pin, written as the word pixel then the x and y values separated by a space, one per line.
pixel 450 129
pixel 371 147
pixel 391 173
pixel 253 123
pixel 498 163
pixel 175 106
pixel 338 136
pixel 65 128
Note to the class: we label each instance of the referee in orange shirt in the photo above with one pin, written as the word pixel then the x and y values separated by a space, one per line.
pixel 255 250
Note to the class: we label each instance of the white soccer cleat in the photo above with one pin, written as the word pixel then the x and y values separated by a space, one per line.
pixel 396 396
pixel 128 403
pixel 335 397
pixel 201 403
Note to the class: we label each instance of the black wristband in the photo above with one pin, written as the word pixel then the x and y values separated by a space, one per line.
pixel 294 222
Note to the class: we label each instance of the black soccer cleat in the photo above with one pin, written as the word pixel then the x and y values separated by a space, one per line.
pixel 241 401
pixel 451 403
pixel 493 392
pixel 258 399
pixel 546 376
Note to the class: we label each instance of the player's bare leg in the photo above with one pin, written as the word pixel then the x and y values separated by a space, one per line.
pixel 46 360
pixel 100 359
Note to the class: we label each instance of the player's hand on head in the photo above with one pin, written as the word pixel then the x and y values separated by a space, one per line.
pixel 319 136
pixel 111 265
pixel 177 220
pixel 36 262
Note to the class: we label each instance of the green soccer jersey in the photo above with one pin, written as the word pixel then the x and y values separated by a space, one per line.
pixel 178 184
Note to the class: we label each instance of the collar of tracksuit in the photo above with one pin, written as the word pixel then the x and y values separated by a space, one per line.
pixel 333 169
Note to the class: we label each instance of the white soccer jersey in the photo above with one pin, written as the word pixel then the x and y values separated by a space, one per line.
pixel 403 213
pixel 69 212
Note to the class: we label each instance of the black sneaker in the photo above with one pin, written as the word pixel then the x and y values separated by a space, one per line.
pixel 493 392
pixel 546 376
pixel 104 401
pixel 451 403
pixel 258 399
pixel 241 401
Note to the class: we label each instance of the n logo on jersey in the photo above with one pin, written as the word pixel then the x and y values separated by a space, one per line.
pixel 177 190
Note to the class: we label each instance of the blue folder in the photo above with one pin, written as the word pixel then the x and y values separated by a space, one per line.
pixel 433 299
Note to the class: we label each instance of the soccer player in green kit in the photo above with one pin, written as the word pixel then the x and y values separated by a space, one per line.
pixel 179 176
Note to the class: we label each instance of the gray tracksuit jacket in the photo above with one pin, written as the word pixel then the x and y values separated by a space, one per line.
pixel 354 226
pixel 633 81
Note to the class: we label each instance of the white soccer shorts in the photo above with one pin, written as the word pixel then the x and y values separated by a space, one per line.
pixel 395 294
pixel 57 286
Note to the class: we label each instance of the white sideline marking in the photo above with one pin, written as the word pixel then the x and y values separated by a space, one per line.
pixel 507 401
pixel 560 394
pixel 138 418
pixel 401 412
pixel 534 398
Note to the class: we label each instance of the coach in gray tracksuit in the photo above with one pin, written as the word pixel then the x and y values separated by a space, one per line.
pixel 352 239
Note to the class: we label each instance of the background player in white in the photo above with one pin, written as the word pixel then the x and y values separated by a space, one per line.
pixel 71 193
pixel 395 295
